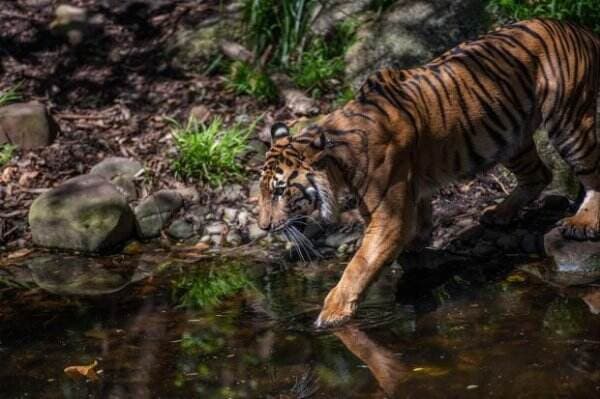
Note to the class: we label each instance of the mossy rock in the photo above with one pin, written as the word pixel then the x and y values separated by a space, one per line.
pixel 410 33
pixel 196 47
pixel 86 213
pixel 563 179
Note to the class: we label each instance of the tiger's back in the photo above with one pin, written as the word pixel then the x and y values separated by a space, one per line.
pixel 479 104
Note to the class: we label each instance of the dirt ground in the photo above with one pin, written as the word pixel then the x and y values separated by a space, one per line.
pixel 110 96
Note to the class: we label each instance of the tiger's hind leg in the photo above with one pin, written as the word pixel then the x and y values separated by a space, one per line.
pixel 532 177
pixel 581 150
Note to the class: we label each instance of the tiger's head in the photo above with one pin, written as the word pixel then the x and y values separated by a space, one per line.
pixel 294 184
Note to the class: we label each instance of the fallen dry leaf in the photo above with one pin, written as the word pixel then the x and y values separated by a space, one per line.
pixel 88 372
pixel 19 253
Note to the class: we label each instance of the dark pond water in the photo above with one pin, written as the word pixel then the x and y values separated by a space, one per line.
pixel 230 328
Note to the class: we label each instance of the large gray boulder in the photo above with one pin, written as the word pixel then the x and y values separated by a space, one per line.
pixel 153 213
pixel 26 125
pixel 410 33
pixel 86 213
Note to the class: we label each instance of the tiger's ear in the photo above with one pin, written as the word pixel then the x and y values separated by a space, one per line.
pixel 279 131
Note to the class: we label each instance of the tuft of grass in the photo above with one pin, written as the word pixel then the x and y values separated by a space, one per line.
pixel 585 12
pixel 10 95
pixel 210 152
pixel 344 96
pixel 324 58
pixel 246 79
pixel 7 151
pixel 201 290
pixel 280 25
pixel 316 67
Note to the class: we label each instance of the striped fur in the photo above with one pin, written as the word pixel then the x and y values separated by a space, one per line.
pixel 411 131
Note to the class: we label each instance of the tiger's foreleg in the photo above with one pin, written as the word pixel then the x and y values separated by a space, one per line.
pixel 532 177
pixel 390 227
pixel 581 149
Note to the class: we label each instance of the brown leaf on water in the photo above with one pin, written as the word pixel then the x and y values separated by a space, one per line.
pixel 77 372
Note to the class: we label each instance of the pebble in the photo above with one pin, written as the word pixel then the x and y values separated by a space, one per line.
pixel 255 232
pixel 230 215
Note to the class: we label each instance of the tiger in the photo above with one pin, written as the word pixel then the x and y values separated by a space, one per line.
pixel 408 132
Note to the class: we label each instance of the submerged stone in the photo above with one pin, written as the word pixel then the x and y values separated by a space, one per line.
pixel 86 213
pixel 66 275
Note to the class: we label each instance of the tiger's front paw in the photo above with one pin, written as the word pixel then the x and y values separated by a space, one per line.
pixel 579 227
pixel 336 310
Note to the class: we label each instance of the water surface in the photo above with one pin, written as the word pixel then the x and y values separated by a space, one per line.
pixel 159 327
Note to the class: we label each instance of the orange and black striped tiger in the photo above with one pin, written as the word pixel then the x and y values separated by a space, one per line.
pixel 410 131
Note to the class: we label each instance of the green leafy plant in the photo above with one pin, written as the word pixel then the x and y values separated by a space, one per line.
pixel 586 12
pixel 10 95
pixel 243 78
pixel 210 152
pixel 324 59
pixel 344 96
pixel 316 67
pixel 7 151
pixel 280 25
pixel 202 290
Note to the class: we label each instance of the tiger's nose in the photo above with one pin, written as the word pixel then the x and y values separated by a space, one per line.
pixel 266 226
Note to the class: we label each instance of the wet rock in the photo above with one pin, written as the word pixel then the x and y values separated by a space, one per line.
pixel 233 238
pixel 181 229
pixel 232 193
pixel 86 213
pixel 410 33
pixel 217 228
pixel 155 211
pixel 189 195
pixel 243 218
pixel 337 239
pixel 576 262
pixel 230 215
pixel 27 125
pixel 255 232
pixel 197 214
